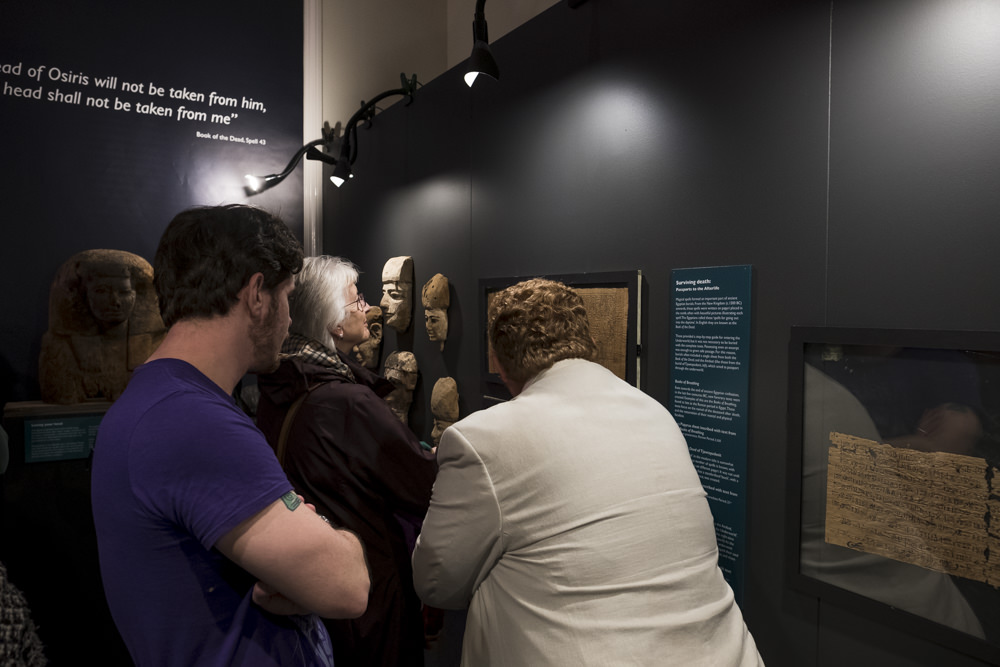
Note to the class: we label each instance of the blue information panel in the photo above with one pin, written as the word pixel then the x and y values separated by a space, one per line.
pixel 60 438
pixel 710 385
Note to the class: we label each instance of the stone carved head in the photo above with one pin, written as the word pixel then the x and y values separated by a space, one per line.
pixel 436 299
pixel 397 292
pixel 401 370
pixel 104 321
pixel 368 351
pixel 444 406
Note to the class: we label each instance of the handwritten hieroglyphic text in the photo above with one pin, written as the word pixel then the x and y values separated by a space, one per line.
pixel 931 509
pixel 607 311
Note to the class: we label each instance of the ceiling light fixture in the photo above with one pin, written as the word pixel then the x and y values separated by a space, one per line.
pixel 481 60
pixel 256 184
pixel 339 150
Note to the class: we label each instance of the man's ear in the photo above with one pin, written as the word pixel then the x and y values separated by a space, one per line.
pixel 253 295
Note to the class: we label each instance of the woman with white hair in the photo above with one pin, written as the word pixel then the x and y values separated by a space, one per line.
pixel 346 452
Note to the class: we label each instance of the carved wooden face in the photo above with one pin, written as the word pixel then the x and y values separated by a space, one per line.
pixel 367 351
pixel 401 370
pixel 444 406
pixel 436 321
pixel 397 303
pixel 110 298
pixel 439 426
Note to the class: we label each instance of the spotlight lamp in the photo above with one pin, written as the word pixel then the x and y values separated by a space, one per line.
pixel 256 184
pixel 481 60
pixel 341 173
pixel 339 148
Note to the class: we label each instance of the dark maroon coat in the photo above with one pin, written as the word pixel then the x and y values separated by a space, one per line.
pixel 362 468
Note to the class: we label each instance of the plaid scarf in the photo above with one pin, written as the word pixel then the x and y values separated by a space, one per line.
pixel 314 352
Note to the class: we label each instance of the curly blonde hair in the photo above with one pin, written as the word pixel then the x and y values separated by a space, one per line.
pixel 536 323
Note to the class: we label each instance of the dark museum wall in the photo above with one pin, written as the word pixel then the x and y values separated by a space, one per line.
pixel 109 169
pixel 849 151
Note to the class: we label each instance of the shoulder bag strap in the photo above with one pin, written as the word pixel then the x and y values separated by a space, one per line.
pixel 286 426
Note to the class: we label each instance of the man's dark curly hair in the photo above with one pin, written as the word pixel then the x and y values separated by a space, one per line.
pixel 536 323
pixel 208 254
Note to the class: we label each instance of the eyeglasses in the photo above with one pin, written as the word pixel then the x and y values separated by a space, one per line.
pixel 360 301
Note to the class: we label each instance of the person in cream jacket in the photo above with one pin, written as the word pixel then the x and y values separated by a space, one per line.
pixel 570 519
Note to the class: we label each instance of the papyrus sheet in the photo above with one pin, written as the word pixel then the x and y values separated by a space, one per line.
pixel 931 509
pixel 607 314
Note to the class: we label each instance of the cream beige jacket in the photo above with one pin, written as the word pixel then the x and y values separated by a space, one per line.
pixel 572 523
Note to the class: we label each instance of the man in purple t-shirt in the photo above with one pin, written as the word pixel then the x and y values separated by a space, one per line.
pixel 207 556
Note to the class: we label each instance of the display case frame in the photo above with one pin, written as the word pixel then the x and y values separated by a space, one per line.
pixel 820 395
pixel 622 288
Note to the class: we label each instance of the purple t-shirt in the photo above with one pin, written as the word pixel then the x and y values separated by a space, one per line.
pixel 176 466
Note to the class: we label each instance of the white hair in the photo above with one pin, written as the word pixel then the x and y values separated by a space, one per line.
pixel 319 301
